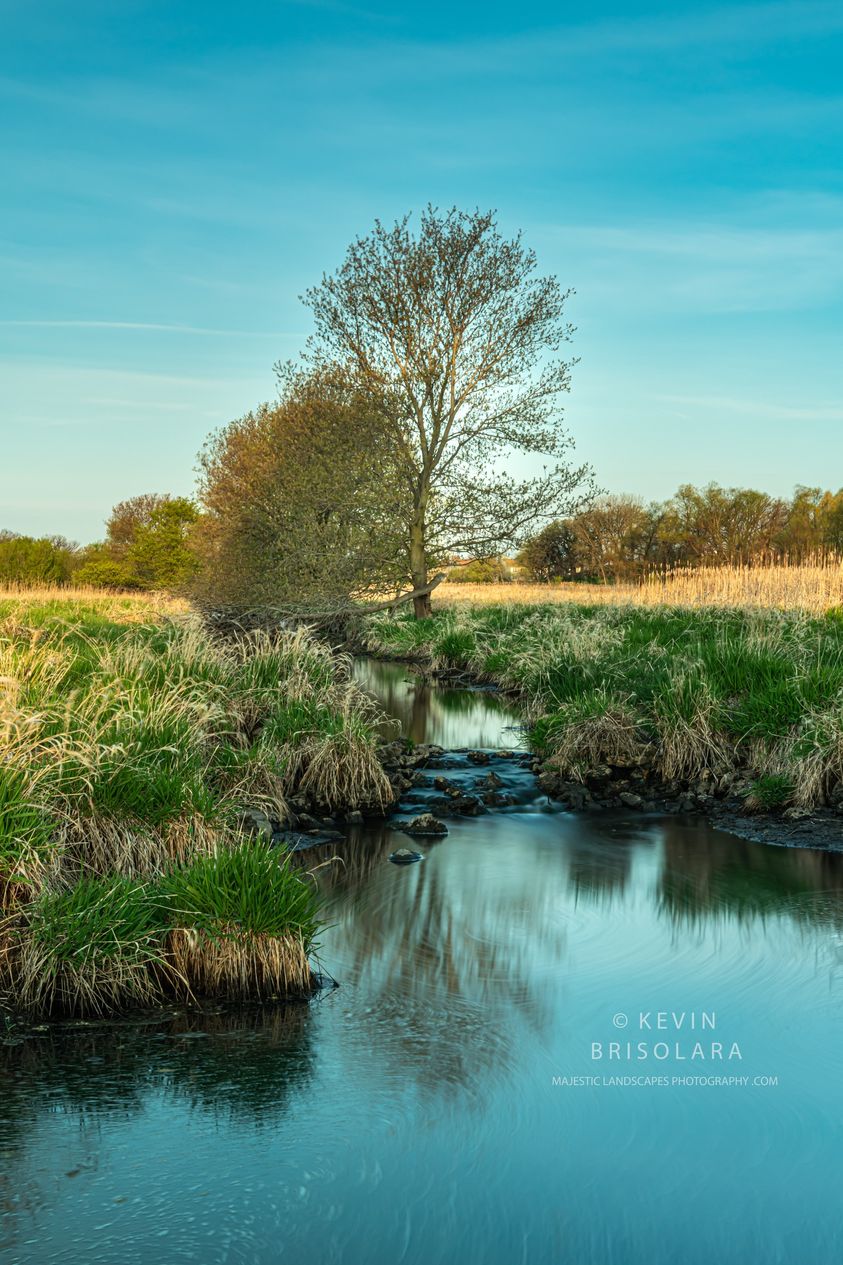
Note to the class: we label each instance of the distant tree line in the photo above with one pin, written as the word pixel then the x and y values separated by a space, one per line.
pixel 148 545
pixel 621 538
pixel 37 560
pixel 342 525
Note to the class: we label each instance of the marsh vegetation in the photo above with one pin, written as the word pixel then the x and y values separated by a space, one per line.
pixel 131 744
pixel 731 696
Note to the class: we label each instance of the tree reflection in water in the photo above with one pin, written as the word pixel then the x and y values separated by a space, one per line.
pixel 427 712
pixel 237 1064
pixel 707 875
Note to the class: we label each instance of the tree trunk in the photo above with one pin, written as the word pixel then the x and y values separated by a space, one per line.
pixel 418 569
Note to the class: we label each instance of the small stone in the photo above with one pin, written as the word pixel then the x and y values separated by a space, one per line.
pixel 478 757
pixel 630 800
pixel 404 856
pixel 425 824
pixel 252 821
pixel 355 817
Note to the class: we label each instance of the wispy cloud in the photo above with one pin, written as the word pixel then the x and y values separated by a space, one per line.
pixel 151 326
pixel 767 409
pixel 711 267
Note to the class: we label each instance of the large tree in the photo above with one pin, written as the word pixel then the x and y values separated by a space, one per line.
pixel 455 342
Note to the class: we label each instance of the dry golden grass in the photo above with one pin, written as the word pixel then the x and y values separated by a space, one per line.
pixel 812 588
pixel 240 966
pixel 121 605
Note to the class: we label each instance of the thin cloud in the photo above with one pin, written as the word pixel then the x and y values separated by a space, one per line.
pixel 154 327
pixel 758 408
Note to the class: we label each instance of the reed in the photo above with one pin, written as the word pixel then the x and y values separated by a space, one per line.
pixel 814 586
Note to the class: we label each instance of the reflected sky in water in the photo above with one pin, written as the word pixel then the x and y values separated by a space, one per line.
pixel 410 1115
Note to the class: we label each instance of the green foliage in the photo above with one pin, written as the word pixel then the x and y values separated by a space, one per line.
pixel 159 556
pixel 102 571
pixel 25 560
pixel 246 890
pixel 773 790
pixel 149 546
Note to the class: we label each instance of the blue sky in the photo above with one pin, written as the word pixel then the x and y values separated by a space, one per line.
pixel 174 176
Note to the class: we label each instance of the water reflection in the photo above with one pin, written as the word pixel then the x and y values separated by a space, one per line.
pixel 409 1115
pixel 466 981
pixel 708 874
pixel 451 718
pixel 238 1066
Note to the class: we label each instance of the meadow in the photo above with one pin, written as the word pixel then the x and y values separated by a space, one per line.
pixel 135 749
pixel 816 586
pixel 749 695
pixel 131 745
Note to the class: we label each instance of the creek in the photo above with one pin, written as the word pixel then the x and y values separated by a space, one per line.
pixel 411 1116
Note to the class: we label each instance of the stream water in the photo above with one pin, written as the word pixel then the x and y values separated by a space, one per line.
pixel 411 1115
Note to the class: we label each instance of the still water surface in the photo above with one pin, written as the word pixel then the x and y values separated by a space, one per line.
pixel 410 1115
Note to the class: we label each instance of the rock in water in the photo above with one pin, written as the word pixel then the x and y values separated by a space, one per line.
pixel 404 856
pixel 426 824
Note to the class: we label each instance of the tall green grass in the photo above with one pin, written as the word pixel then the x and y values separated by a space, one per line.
pixel 243 925
pixel 129 748
pixel 687 690
pixel 239 924
pixel 126 747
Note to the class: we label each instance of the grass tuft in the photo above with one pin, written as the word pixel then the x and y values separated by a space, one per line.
pixel 244 923
pixel 89 950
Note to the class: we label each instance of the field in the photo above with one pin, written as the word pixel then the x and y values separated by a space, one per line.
pixel 131 744
pixel 750 697
pixel 812 587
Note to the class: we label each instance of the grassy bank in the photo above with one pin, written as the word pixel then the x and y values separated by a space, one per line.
pixel 750 696
pixel 131 744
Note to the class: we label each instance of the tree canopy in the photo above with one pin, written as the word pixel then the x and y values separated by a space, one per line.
pixel 454 340
pixel 147 545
